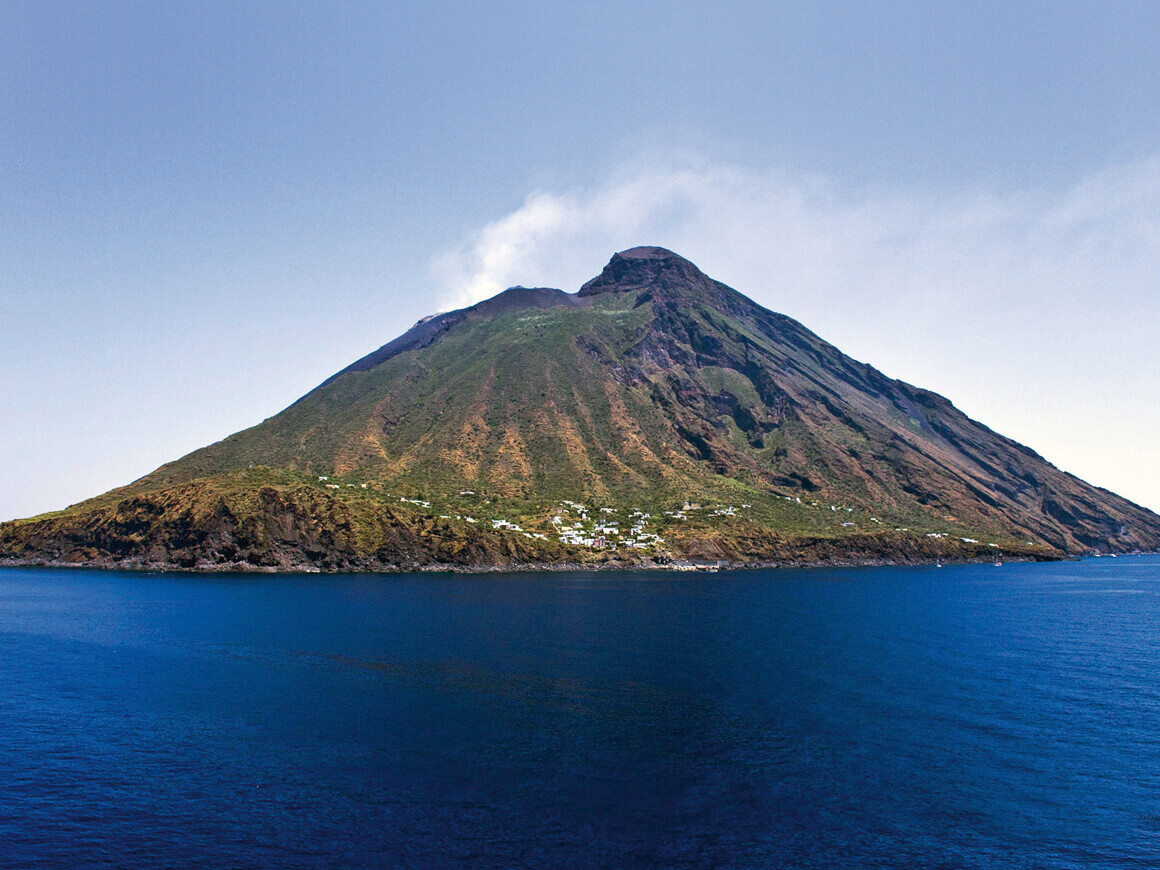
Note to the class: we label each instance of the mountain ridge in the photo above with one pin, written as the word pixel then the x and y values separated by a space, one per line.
pixel 430 328
pixel 650 389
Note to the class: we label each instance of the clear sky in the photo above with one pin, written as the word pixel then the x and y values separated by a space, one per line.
pixel 208 208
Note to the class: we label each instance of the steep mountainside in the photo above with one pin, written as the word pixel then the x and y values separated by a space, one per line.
pixel 657 414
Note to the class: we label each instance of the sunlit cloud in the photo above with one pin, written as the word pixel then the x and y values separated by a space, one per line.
pixel 804 240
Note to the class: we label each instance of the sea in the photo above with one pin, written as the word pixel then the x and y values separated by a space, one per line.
pixel 907 717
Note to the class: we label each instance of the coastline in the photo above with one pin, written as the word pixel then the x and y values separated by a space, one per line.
pixel 674 566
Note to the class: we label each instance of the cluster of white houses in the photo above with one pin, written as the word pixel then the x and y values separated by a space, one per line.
pixel 605 532
pixel 515 527
pixel 574 525
pixel 719 511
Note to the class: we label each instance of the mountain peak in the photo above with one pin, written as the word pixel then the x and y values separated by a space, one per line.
pixel 643 267
pixel 647 252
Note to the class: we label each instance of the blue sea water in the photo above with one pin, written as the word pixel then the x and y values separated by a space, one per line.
pixel 963 717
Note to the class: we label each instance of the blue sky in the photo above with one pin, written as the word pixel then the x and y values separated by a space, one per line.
pixel 207 209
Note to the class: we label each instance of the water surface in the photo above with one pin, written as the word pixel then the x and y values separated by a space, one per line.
pixel 895 717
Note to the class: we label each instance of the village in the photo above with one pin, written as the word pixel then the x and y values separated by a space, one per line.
pixel 574 526
pixel 609 528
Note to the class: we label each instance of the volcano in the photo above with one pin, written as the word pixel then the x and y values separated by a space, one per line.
pixel 654 417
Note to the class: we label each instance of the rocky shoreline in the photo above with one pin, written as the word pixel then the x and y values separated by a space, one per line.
pixel 196 529
pixel 675 566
